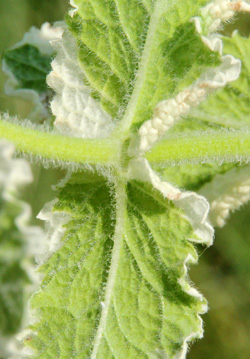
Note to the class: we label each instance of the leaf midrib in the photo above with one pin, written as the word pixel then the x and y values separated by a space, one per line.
pixel 120 194
pixel 127 119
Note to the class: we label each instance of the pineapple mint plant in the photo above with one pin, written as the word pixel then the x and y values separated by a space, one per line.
pixel 147 107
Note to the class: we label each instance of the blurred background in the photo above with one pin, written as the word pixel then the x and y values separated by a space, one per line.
pixel 223 272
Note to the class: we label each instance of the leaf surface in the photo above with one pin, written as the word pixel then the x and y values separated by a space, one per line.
pixel 116 276
pixel 29 67
pixel 120 295
pixel 132 63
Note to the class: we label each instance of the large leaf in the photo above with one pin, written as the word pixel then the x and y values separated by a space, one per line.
pixel 115 281
pixel 117 286
pixel 138 52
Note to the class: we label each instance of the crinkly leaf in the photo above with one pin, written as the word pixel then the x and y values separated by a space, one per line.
pixel 226 186
pixel 137 63
pixel 116 282
pixel 230 106
pixel 226 108
pixel 18 243
pixel 115 278
pixel 227 193
pixel 76 112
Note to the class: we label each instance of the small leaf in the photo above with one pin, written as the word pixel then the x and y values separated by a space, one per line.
pixel 29 67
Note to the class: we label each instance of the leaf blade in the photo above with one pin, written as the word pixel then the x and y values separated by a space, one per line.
pixel 118 284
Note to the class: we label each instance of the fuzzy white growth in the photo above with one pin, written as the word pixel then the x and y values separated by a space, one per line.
pixel 167 112
pixel 77 113
pixel 227 193
pixel 14 174
pixel 39 38
pixel 216 12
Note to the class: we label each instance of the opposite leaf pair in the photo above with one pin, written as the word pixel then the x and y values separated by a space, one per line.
pixel 115 284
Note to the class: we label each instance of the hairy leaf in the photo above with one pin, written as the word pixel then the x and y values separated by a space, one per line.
pixel 115 281
pixel 140 62
pixel 117 294
pixel 227 108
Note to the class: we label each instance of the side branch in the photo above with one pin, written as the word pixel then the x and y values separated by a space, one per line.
pixel 226 146
pixel 57 147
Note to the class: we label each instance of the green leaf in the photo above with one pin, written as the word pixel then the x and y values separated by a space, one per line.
pixel 29 67
pixel 13 278
pixel 117 286
pixel 138 63
pixel 115 281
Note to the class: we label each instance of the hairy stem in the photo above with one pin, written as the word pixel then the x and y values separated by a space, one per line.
pixel 58 147
pixel 229 146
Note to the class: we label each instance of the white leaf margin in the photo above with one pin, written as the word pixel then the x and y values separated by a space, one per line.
pixel 75 8
pixel 55 225
pixel 195 210
pixel 227 193
pixel 77 113
pixel 167 112
pixel 14 174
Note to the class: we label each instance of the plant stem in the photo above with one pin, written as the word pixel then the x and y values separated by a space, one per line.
pixel 58 147
pixel 198 147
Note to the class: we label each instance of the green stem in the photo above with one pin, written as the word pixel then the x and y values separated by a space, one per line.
pixel 58 147
pixel 197 147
